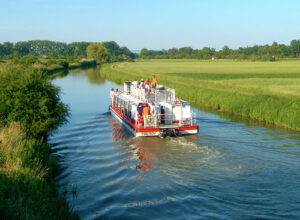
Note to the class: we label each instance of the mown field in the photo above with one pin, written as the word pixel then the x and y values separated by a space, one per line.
pixel 265 91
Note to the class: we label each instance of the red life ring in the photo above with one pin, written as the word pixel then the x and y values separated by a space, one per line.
pixel 178 102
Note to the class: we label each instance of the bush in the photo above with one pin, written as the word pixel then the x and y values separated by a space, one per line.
pixel 63 63
pixel 27 96
pixel 129 59
pixel 26 60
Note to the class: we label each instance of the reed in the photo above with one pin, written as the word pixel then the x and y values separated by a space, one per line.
pixel 264 91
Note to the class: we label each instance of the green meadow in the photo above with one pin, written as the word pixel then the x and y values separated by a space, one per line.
pixel 264 91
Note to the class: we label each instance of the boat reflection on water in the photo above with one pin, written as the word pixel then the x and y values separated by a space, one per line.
pixel 146 151
pixel 154 152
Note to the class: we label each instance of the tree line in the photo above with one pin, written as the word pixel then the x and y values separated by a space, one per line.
pixel 265 52
pixel 53 49
pixel 110 51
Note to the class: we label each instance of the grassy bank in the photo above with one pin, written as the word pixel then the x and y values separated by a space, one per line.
pixel 61 65
pixel 51 66
pixel 27 190
pixel 30 108
pixel 264 91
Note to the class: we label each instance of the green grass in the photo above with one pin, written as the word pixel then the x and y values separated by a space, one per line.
pixel 265 91
pixel 27 190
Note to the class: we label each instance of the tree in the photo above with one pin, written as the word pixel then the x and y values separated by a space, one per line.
pixel 226 50
pixel 98 52
pixel 22 48
pixel 113 48
pixel 144 53
pixel 295 46
pixel 8 48
pixel 2 53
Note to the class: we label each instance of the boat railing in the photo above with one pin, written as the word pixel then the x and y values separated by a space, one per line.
pixel 186 122
pixel 150 121
pixel 165 119
pixel 156 95
pixel 143 94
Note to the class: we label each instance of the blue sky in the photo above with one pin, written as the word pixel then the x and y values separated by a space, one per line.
pixel 154 24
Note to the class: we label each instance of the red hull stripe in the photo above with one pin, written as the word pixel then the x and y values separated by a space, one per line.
pixel 187 128
pixel 122 117
pixel 148 130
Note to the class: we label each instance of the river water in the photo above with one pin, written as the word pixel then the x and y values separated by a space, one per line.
pixel 231 170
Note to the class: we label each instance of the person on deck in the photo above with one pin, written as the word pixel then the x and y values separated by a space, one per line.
pixel 152 108
pixel 146 113
pixel 153 112
pixel 140 114
pixel 146 110
pixel 162 115
pixel 147 86
pixel 135 83
pixel 142 84
pixel 154 83
pixel 142 88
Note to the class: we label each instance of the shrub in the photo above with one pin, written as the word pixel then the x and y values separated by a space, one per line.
pixel 63 63
pixel 27 96
pixel 26 60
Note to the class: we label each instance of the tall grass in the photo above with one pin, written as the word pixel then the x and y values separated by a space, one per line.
pixel 265 91
pixel 27 190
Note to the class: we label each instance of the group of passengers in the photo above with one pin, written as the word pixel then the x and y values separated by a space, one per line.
pixel 146 86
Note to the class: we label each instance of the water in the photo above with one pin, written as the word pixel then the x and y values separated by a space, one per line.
pixel 231 170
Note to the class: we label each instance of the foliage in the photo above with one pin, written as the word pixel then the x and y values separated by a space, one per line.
pixel 265 52
pixel 63 63
pixel 26 171
pixel 265 91
pixel 118 53
pixel 27 96
pixel 98 52
pixel 26 60
pixel 57 50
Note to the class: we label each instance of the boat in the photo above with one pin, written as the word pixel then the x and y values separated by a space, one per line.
pixel 165 114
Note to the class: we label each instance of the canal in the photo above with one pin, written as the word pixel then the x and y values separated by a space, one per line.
pixel 232 170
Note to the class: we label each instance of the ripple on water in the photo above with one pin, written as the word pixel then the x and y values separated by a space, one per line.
pixel 230 171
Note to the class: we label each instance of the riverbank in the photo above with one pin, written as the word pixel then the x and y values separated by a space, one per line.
pixel 27 171
pixel 30 109
pixel 52 66
pixel 265 91
pixel 65 67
